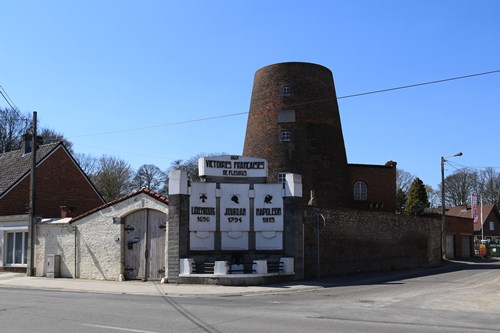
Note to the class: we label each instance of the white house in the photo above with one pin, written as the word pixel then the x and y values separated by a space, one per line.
pixel 123 239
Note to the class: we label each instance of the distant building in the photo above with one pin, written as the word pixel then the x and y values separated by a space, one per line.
pixel 461 232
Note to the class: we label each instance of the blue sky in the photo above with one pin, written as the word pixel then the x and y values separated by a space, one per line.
pixel 125 78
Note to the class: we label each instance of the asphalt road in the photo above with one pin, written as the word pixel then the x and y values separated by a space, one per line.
pixel 460 298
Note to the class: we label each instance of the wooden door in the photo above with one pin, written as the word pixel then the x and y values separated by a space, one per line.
pixel 135 244
pixel 156 244
pixel 145 245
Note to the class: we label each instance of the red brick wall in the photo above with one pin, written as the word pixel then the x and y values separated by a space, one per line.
pixel 59 182
pixel 316 149
pixel 381 184
pixel 459 227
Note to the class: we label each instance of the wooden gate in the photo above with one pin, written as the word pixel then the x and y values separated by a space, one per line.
pixel 145 245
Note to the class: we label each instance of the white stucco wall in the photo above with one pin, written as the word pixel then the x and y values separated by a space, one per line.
pixel 55 239
pixel 98 241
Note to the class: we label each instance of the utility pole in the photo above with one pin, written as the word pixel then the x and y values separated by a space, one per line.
pixel 30 271
pixel 443 217
pixel 443 213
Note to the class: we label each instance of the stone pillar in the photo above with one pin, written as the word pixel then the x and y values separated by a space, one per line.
pixel 178 224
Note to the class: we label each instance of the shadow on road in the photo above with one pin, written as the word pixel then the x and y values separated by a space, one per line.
pixel 395 277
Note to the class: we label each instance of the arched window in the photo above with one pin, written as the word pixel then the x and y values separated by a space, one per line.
pixel 360 191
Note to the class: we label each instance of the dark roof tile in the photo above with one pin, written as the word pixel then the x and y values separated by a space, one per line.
pixel 14 165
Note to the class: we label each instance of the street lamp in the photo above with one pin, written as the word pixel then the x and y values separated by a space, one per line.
pixel 319 223
pixel 443 235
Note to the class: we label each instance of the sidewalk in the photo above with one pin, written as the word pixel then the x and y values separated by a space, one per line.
pixel 20 280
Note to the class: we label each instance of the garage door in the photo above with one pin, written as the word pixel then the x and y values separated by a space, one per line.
pixel 466 246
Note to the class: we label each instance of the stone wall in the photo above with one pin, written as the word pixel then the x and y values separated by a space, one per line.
pixel 177 234
pixel 355 241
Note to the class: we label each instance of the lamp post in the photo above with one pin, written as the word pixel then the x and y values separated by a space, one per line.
pixel 319 223
pixel 443 235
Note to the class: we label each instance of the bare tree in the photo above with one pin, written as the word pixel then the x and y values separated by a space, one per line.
pixel 149 176
pixel 88 163
pixel 404 179
pixel 190 166
pixel 112 178
pixel 459 186
pixel 13 125
pixel 489 181
pixel 50 135
pixel 433 196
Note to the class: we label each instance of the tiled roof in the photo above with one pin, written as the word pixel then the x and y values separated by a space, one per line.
pixel 149 192
pixel 465 212
pixel 14 165
pixel 459 211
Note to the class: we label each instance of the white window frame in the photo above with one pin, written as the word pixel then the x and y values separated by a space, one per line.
pixel 286 91
pixel 24 246
pixel 285 135
pixel 360 191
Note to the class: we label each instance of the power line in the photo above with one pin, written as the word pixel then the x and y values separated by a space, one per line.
pixel 457 166
pixel 399 88
pixel 299 104
pixel 13 106
pixel 421 84
pixel 8 99
pixel 162 125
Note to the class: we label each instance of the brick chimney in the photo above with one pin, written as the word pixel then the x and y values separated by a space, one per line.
pixel 26 146
pixel 66 211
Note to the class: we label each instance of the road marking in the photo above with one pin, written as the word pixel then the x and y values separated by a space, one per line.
pixel 118 328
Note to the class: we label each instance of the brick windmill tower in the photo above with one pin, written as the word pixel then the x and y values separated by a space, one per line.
pixel 294 123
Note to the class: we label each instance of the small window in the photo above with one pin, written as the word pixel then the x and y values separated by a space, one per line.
pixel 285 135
pixel 492 226
pixel 282 177
pixel 360 191
pixel 286 91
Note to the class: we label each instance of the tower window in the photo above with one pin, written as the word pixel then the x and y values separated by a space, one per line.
pixel 360 191
pixel 286 91
pixel 285 135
